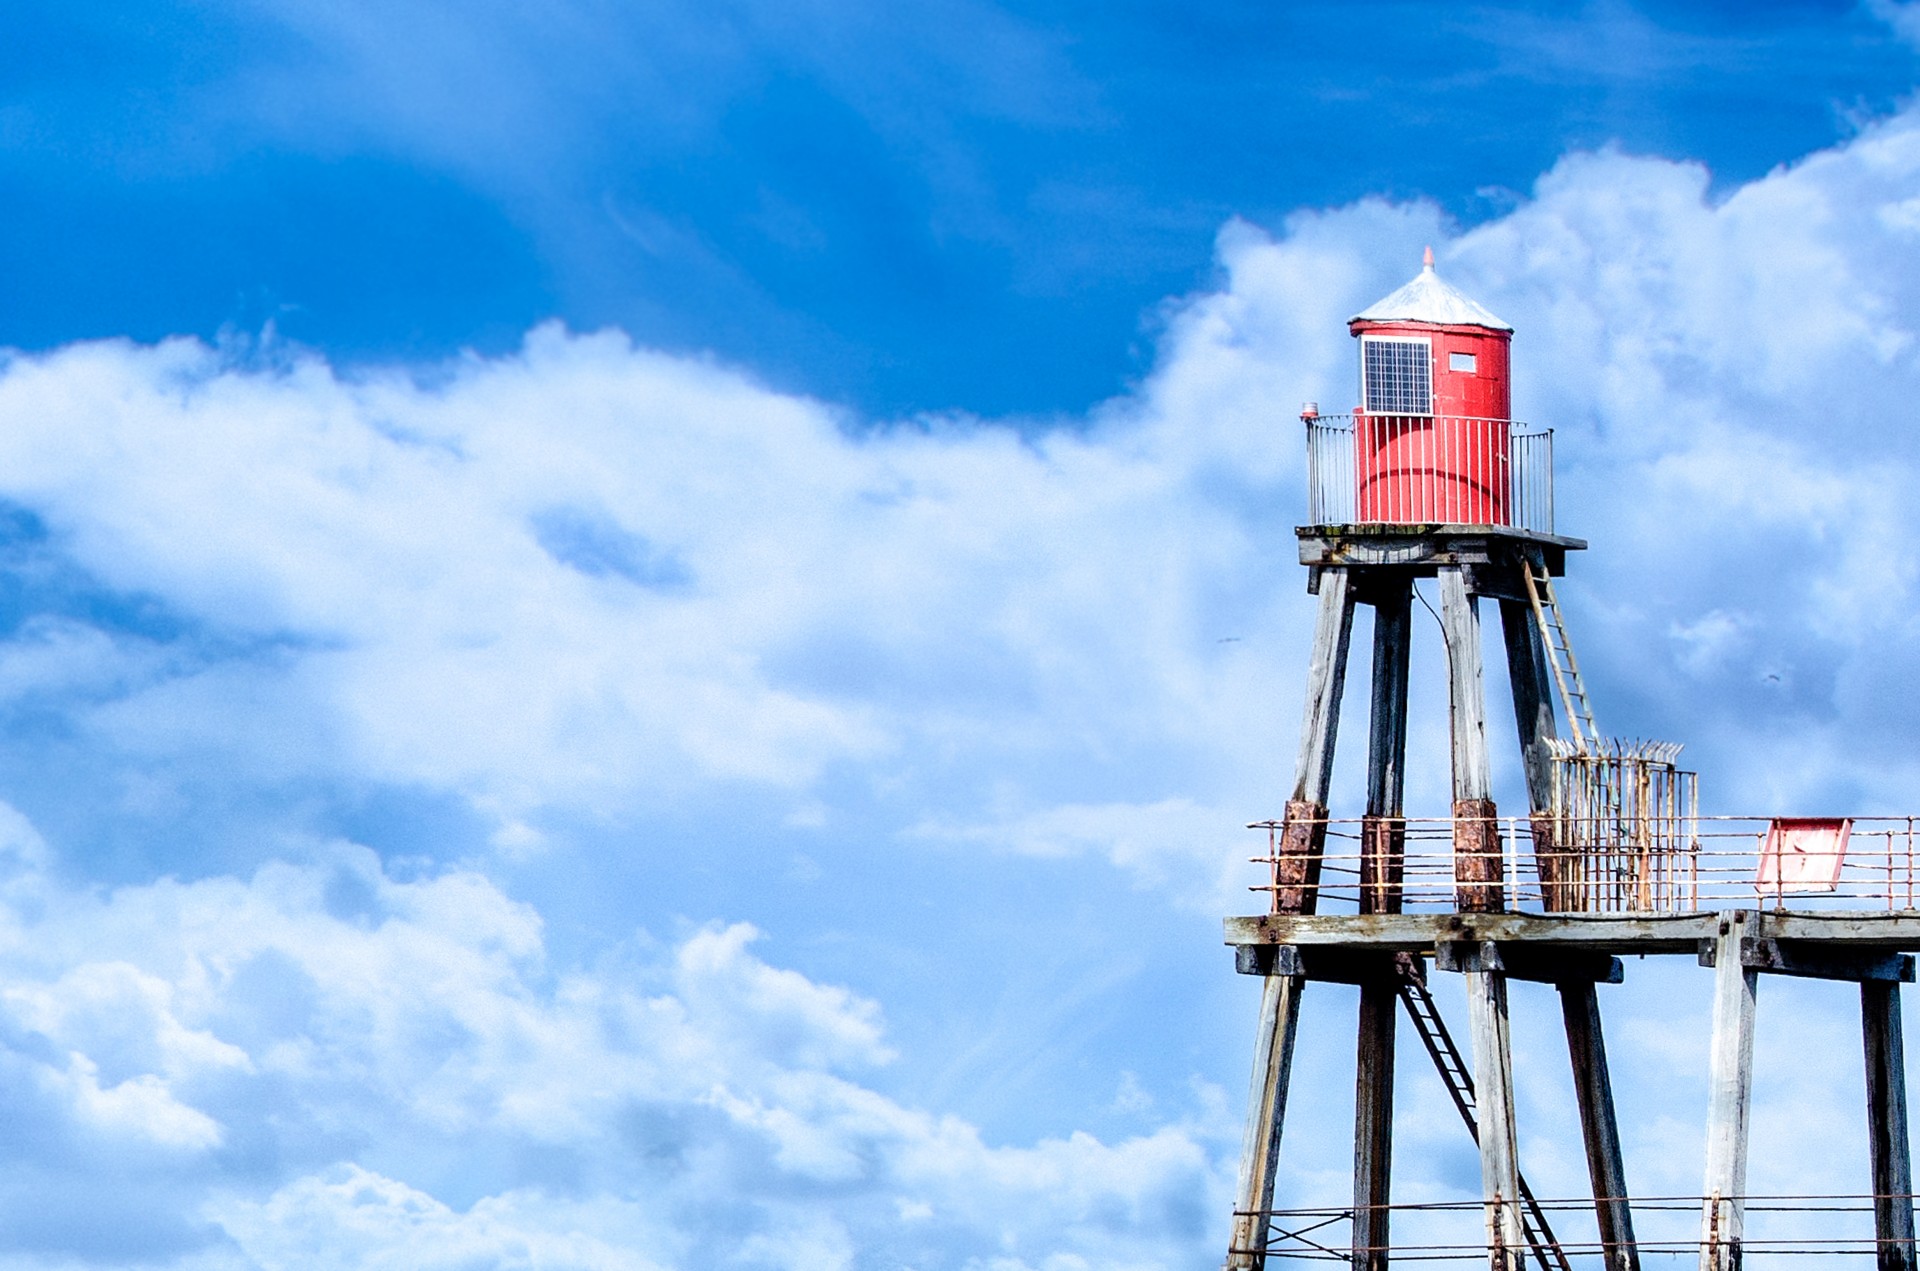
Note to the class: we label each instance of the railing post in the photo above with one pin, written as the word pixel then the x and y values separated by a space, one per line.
pixel 1547 466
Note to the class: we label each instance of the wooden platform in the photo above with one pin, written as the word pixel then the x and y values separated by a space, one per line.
pixel 1387 954
pixel 1895 931
pixel 1485 933
pixel 1425 549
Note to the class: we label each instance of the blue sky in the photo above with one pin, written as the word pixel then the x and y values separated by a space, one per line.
pixel 639 638
pixel 952 205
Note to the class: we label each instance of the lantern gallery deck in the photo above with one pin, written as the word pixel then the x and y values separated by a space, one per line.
pixel 1425 549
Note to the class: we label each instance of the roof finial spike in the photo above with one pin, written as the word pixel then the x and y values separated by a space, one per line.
pixel 1426 261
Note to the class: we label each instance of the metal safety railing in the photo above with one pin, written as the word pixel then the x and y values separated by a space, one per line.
pixel 1532 471
pixel 1428 470
pixel 1687 864
pixel 1782 1227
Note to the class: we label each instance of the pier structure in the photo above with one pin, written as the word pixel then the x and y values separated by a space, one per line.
pixel 1431 479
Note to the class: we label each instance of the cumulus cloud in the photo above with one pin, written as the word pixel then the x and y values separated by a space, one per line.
pixel 351 1070
pixel 589 576
pixel 351 1218
pixel 590 585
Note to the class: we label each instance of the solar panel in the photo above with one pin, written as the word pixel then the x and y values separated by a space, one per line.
pixel 1396 376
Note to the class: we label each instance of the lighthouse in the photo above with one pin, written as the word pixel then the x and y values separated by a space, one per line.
pixel 1434 418
pixel 1429 478
pixel 1430 481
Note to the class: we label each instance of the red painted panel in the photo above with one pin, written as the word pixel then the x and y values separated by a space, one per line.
pixel 1432 469
pixel 1481 393
pixel 1803 854
pixel 1452 467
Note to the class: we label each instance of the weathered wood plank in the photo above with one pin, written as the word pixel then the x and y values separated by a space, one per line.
pixel 1886 1059
pixel 1466 694
pixel 1477 853
pixel 1816 961
pixel 1298 858
pixel 1266 1116
pixel 1729 1100
pixel 1280 999
pixel 1532 698
pixel 1424 547
pixel 1531 676
pixel 1622 934
pixel 1326 680
pixel 1387 739
pixel 1493 1090
pixel 1337 966
pixel 1373 1124
pixel 1500 580
pixel 1635 934
pixel 1599 1124
pixel 1527 962
pixel 1383 832
pixel 1479 861
pixel 1897 929
pixel 1383 864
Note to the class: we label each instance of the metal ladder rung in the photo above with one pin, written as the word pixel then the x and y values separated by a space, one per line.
pixel 1425 1014
pixel 1560 656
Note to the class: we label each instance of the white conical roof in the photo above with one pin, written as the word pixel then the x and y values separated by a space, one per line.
pixel 1428 299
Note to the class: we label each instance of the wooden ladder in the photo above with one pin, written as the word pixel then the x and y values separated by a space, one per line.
pixel 1425 1015
pixel 1566 667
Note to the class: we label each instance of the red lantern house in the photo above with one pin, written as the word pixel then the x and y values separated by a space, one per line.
pixel 1432 433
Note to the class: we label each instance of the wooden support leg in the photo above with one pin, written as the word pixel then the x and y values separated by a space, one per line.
pixel 1533 713
pixel 1296 876
pixel 1384 831
pixel 1532 698
pixel 1381 868
pixel 1887 1125
pixel 1592 1086
pixel 1493 1088
pixel 1297 867
pixel 1382 865
pixel 1477 872
pixel 1373 1124
pixel 1477 858
pixel 1266 1114
pixel 1729 1099
pixel 1326 681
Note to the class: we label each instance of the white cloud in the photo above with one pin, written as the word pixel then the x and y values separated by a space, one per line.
pixel 1198 853
pixel 593 585
pixel 357 1050
pixel 1902 15
pixel 844 599
pixel 352 1218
